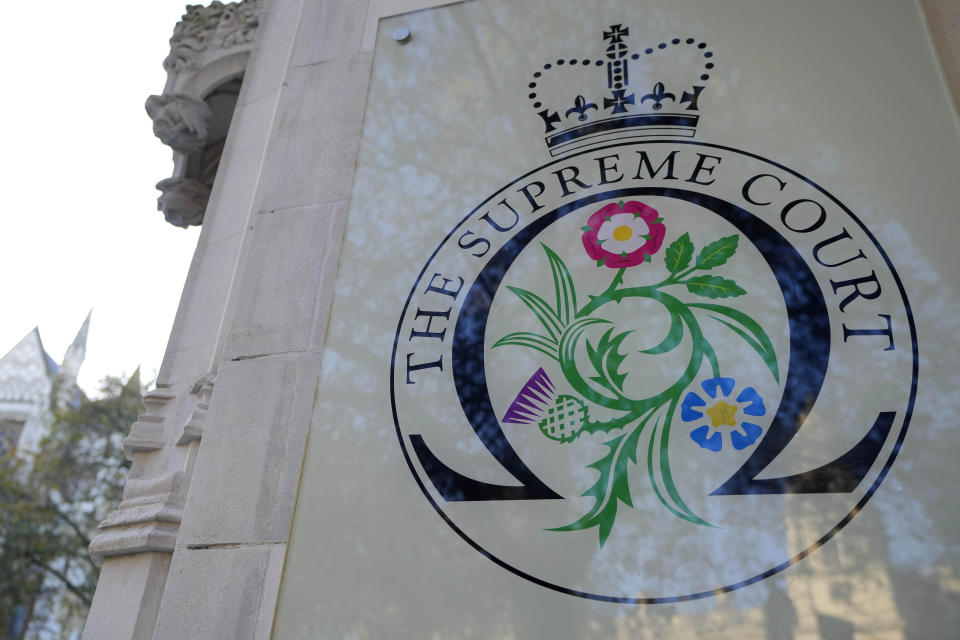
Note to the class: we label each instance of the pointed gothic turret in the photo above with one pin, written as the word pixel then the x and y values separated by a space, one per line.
pixel 76 352
pixel 133 382
pixel 32 385
pixel 26 372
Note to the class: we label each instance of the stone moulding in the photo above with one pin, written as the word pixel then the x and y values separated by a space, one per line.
pixel 148 518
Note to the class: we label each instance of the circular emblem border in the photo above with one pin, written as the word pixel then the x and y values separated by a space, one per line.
pixel 719 590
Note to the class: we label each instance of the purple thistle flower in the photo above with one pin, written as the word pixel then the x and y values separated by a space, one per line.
pixel 533 398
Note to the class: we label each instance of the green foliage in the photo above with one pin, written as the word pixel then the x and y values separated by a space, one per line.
pixel 611 487
pixel 717 252
pixel 606 359
pixel 531 341
pixel 748 329
pixel 565 324
pixel 544 312
pixel 51 503
pixel 566 293
pixel 714 287
pixel 679 254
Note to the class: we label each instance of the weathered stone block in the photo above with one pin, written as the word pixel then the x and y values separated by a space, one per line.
pixel 329 30
pixel 305 169
pixel 251 451
pixel 293 250
pixel 228 598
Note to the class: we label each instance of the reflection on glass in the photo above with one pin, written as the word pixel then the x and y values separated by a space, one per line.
pixel 438 138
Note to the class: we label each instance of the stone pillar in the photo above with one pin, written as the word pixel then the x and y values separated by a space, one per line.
pixel 310 80
pixel 211 46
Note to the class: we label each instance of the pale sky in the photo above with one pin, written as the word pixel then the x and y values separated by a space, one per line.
pixel 81 228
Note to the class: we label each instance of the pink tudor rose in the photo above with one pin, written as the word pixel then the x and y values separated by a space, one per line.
pixel 623 234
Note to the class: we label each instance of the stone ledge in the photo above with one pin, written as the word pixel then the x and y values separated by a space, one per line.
pixel 138 538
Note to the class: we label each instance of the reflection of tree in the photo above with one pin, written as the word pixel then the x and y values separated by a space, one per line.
pixel 399 142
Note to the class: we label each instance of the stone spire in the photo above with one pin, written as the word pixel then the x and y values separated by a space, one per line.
pixel 76 352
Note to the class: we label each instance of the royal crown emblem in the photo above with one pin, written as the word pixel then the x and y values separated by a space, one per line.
pixel 585 102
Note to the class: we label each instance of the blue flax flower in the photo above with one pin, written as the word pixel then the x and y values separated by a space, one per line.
pixel 722 411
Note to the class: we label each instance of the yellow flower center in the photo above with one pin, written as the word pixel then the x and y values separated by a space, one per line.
pixel 723 414
pixel 622 233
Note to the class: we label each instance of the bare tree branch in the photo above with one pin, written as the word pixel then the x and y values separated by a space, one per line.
pixel 72 588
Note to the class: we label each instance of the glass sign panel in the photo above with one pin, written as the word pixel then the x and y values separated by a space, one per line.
pixel 645 326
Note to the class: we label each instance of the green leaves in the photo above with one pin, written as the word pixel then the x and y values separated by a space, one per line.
pixel 679 253
pixel 530 341
pixel 678 257
pixel 555 319
pixel 566 294
pixel 601 383
pixel 748 329
pixel 50 508
pixel 717 252
pixel 713 287
pixel 611 488
pixel 606 359
pixel 544 312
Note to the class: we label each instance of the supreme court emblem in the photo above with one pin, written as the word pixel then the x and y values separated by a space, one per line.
pixel 654 368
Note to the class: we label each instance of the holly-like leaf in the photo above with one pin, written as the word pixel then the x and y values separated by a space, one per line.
pixel 606 360
pixel 610 488
pixel 615 359
pixel 679 253
pixel 713 287
pixel 718 252
pixel 596 356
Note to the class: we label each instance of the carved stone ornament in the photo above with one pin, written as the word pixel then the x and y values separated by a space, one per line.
pixel 218 26
pixel 180 121
pixel 183 201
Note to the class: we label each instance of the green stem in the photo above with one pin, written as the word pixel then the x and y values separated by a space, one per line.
pixel 676 277
pixel 664 486
pixel 651 447
pixel 616 423
pixel 597 301
pixel 701 349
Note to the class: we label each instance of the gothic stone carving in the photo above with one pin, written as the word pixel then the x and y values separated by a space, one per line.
pixel 180 121
pixel 183 201
pixel 181 118
pixel 218 26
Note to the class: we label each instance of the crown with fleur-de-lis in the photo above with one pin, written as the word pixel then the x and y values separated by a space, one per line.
pixel 654 91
